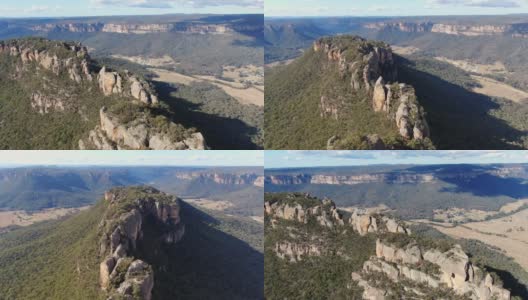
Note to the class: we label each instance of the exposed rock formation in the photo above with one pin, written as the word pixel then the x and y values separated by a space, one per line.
pixel 427 269
pixel 148 28
pixel 112 133
pixel 371 66
pixel 54 62
pixel 356 179
pixel 122 273
pixel 519 30
pixel 57 57
pixel 303 208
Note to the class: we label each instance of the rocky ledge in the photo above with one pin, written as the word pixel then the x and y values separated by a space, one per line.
pixel 122 274
pixel 417 270
pixel 142 132
pixel 305 209
pixel 371 69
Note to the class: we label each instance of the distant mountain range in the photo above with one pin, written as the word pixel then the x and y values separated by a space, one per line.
pixel 413 191
pixel 38 188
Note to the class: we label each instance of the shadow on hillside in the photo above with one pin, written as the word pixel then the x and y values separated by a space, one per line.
pixel 487 185
pixel 220 133
pixel 482 185
pixel 209 264
pixel 458 118
pixel 511 283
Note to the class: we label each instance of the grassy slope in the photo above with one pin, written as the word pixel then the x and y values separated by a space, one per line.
pixel 292 99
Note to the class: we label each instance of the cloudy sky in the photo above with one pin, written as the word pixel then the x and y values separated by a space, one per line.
pixel 393 7
pixel 57 8
pixel 287 159
pixel 132 158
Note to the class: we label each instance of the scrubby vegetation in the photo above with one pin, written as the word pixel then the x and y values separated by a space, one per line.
pixel 292 113
pixel 220 257
pixel 315 277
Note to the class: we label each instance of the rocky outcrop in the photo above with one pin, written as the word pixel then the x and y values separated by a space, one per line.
pixel 302 208
pixel 45 104
pixel 125 84
pixel 57 57
pixel 418 270
pixel 121 272
pixel 113 133
pixel 371 67
pixel 363 61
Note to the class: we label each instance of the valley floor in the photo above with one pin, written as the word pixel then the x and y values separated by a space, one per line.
pixel 509 234
pixel 23 218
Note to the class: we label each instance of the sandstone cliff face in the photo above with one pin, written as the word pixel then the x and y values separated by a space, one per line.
pixel 421 271
pixel 304 209
pixel 514 30
pixel 113 133
pixel 58 62
pixel 224 178
pixel 371 67
pixel 122 273
pixel 350 179
pixel 132 28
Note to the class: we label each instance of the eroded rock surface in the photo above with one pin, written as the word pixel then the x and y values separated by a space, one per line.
pixel 122 273
pixel 372 71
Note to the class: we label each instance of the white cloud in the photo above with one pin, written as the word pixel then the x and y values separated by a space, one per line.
pixel 177 3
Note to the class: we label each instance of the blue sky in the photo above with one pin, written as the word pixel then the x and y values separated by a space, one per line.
pixel 132 158
pixel 57 8
pixel 393 7
pixel 288 159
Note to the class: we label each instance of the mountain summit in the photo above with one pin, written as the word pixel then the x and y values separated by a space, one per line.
pixel 344 93
pixel 72 102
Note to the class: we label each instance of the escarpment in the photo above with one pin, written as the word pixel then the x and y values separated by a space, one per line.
pixel 61 79
pixel 517 30
pixel 144 28
pixel 399 265
pixel 224 178
pixel 123 273
pixel 371 70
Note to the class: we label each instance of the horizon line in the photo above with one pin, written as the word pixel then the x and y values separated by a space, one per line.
pixel 395 164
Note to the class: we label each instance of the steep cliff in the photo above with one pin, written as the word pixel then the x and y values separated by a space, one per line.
pixel 121 273
pixel 135 243
pixel 317 236
pixel 360 103
pixel 64 85
pixel 147 28
pixel 518 30
pixel 371 66
pixel 417 270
